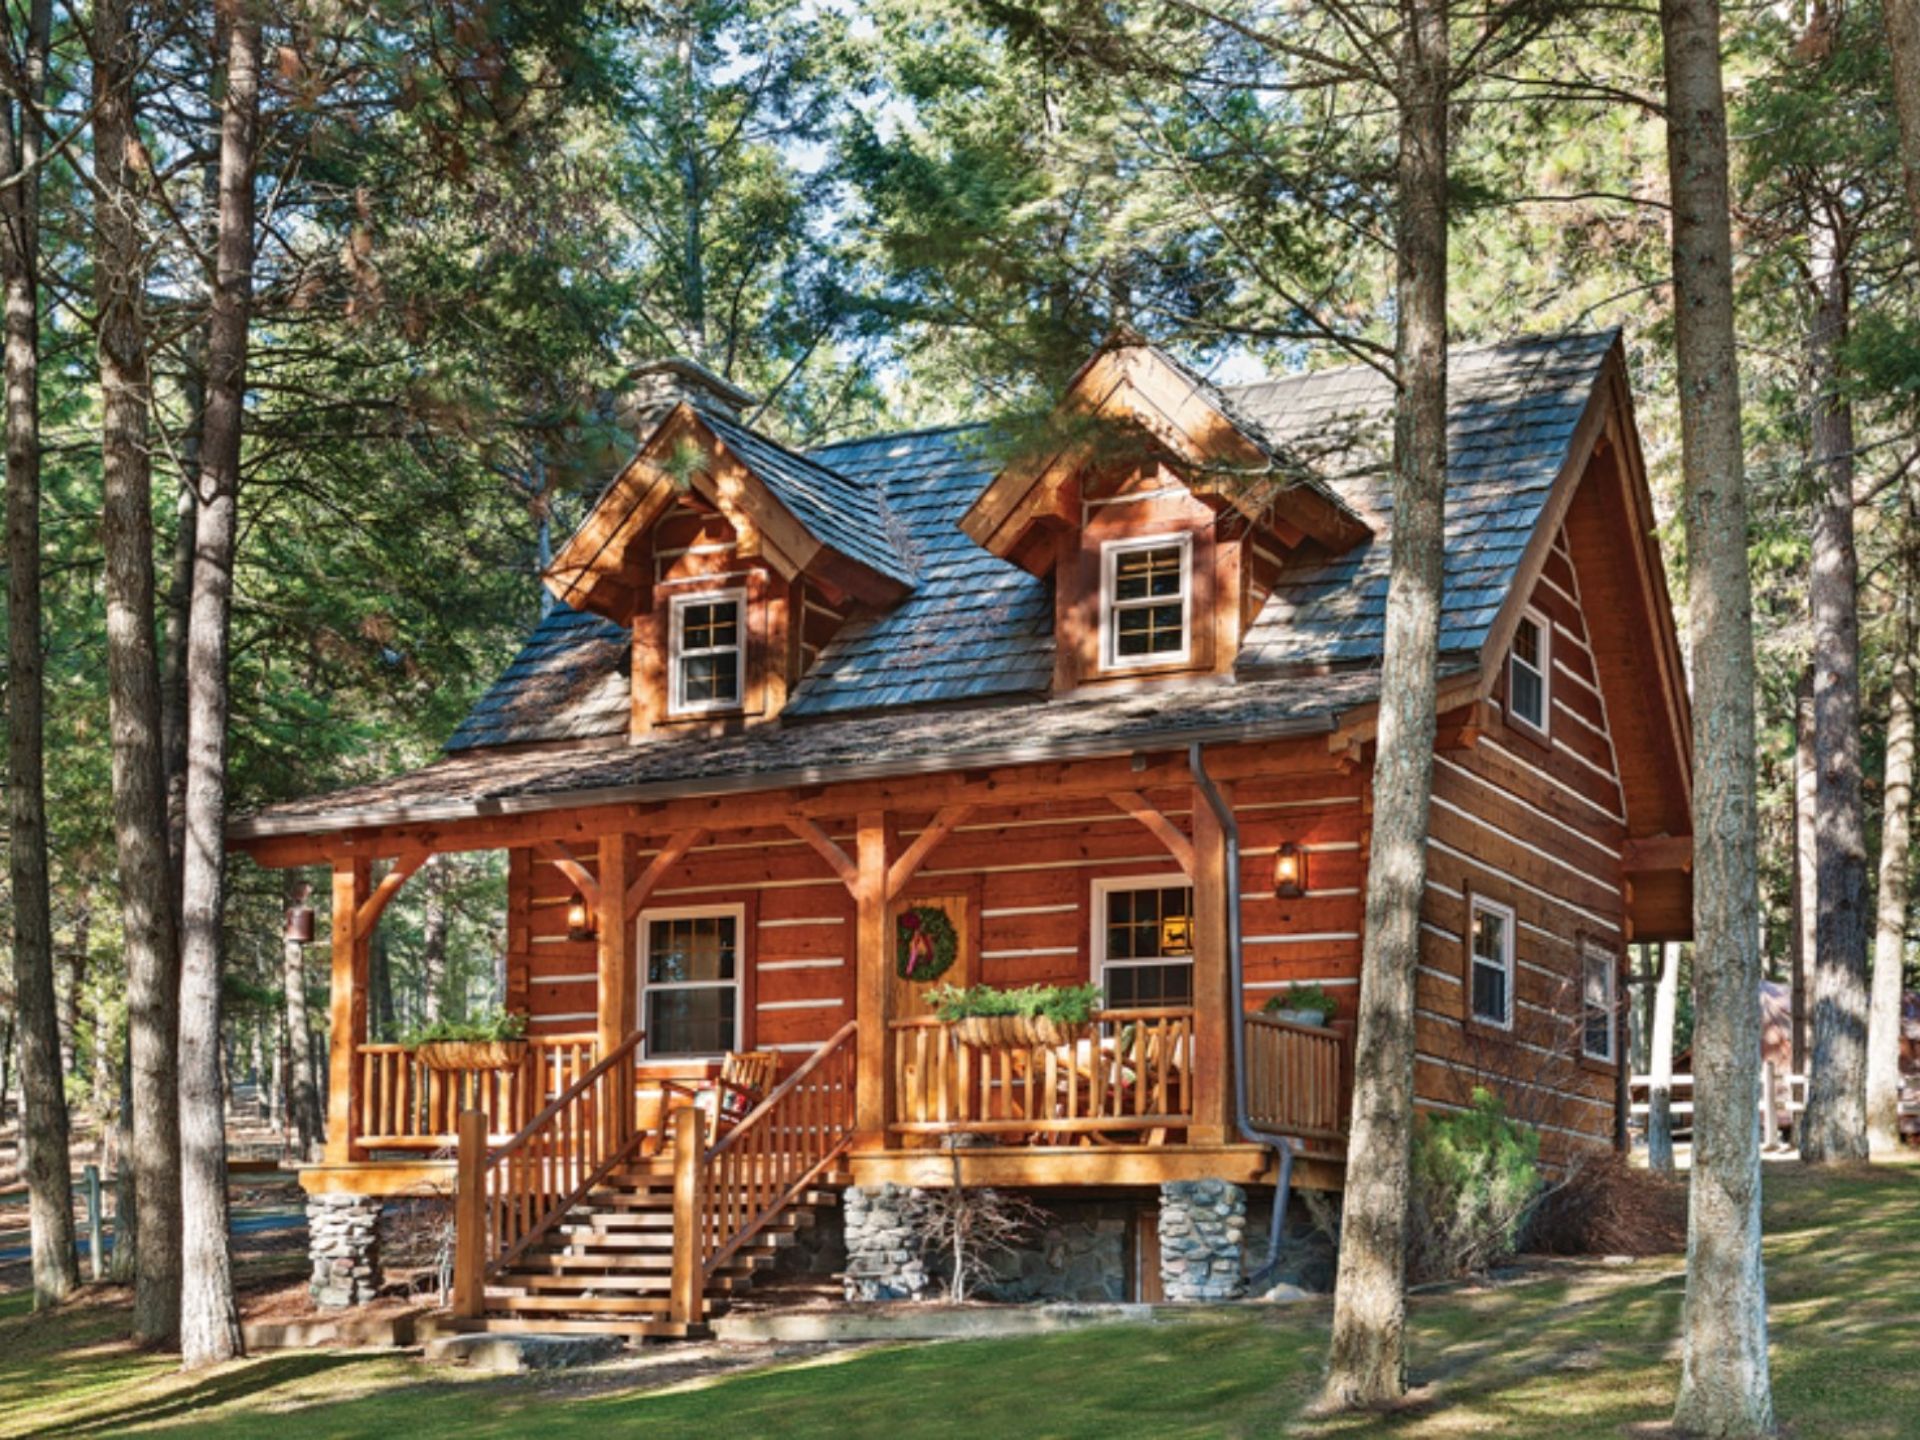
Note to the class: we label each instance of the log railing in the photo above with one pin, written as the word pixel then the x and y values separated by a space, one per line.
pixel 510 1195
pixel 1294 1079
pixel 1131 1077
pixel 724 1195
pixel 403 1105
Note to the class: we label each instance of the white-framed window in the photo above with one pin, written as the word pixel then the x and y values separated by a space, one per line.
pixel 1490 929
pixel 1597 978
pixel 1146 601
pixel 707 652
pixel 1529 668
pixel 690 966
pixel 1143 941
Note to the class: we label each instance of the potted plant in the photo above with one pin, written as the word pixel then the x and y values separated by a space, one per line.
pixel 1302 1005
pixel 1030 1015
pixel 495 1040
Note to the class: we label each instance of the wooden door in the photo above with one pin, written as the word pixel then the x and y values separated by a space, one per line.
pixel 907 996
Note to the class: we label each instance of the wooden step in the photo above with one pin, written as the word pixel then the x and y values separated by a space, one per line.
pixel 548 1325
pixel 646 1307
pixel 725 1282
pixel 747 1257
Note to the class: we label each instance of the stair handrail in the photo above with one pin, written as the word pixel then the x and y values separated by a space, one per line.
pixel 727 1193
pixel 507 1197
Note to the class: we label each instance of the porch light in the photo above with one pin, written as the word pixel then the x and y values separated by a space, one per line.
pixel 579 920
pixel 1289 871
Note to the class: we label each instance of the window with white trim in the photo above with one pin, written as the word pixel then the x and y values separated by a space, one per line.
pixel 1528 666
pixel 690 966
pixel 1146 601
pixel 707 652
pixel 1597 978
pixel 1143 939
pixel 1490 951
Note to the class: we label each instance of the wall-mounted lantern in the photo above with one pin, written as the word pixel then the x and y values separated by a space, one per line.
pixel 1289 871
pixel 298 929
pixel 580 924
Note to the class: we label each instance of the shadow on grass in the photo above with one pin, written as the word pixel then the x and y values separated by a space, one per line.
pixel 239 1383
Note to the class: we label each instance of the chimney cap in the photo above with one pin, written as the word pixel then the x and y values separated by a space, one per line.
pixel 655 386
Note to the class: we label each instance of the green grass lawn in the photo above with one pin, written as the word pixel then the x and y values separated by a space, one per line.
pixel 1587 1351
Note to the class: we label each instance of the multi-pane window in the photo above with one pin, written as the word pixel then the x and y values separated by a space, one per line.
pixel 1145 587
pixel 1490 947
pixel 707 652
pixel 1146 943
pixel 1596 1003
pixel 690 998
pixel 1527 672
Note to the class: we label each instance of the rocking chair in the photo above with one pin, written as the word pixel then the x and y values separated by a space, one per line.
pixel 744 1080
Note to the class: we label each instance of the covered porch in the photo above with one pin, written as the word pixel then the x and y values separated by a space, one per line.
pixel 1146 1094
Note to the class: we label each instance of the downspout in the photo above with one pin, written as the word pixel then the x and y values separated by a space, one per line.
pixel 1283 1145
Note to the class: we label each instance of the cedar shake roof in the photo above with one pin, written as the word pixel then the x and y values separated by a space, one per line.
pixel 976 628
pixel 1027 730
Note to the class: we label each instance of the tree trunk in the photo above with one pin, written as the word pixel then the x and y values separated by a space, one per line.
pixel 1367 1363
pixel 133 677
pixel 1806 886
pixel 1725 1388
pixel 1890 939
pixel 303 1099
pixel 43 1121
pixel 433 945
pixel 1666 1005
pixel 209 1320
pixel 1902 18
pixel 1834 1128
pixel 124 1263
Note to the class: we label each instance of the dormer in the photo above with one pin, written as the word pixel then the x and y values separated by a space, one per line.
pixel 730 558
pixel 1161 518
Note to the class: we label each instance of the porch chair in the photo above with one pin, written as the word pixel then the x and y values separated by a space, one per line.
pixel 744 1080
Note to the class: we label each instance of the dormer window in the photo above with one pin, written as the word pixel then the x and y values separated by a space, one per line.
pixel 1146 609
pixel 707 655
pixel 1527 672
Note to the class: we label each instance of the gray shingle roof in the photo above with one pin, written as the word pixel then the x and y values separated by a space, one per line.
pixel 1511 412
pixel 836 509
pixel 977 629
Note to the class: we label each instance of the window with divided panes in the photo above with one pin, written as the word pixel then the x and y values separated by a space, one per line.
pixel 690 1002
pixel 1146 935
pixel 708 645
pixel 1145 587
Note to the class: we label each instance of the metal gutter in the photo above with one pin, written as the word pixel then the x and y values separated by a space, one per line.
pixel 1283 1145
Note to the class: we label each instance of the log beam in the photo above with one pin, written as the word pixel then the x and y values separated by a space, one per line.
pixel 1158 825
pixel 827 848
pixel 871 974
pixel 577 874
pixel 900 874
pixel 671 854
pixel 368 915
pixel 614 958
pixel 1212 994
pixel 347 1007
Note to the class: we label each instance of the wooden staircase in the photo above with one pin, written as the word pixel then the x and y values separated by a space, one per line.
pixel 606 1268
pixel 570 1228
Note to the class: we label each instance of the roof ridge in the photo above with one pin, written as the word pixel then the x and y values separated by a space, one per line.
pixel 1609 333
pixel 880 436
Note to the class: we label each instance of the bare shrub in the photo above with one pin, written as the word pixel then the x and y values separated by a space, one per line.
pixel 969 1225
pixel 1606 1206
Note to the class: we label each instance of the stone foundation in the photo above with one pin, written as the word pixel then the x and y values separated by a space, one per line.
pixel 883 1260
pixel 1308 1256
pixel 343 1240
pixel 1203 1229
pixel 1079 1252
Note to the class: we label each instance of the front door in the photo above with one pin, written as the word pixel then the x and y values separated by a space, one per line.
pixel 930 944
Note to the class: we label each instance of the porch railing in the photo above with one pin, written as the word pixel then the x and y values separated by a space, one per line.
pixel 1295 1079
pixel 510 1195
pixel 403 1105
pixel 724 1195
pixel 1131 1077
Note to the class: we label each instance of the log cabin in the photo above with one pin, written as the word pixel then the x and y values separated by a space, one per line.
pixel 1097 710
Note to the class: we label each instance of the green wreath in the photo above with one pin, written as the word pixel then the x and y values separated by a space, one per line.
pixel 927 944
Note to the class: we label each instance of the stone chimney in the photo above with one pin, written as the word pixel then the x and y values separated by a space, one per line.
pixel 656 387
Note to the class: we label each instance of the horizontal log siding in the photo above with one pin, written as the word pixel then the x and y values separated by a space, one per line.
pixel 1535 825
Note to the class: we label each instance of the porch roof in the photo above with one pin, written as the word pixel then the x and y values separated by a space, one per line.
pixel 671 764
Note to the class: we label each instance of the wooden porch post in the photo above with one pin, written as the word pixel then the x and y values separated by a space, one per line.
pixel 347 1007
pixel 615 946
pixel 686 1299
pixel 1212 997
pixel 870 976
pixel 470 1217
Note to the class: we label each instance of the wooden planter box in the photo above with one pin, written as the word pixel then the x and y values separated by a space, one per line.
pixel 461 1055
pixel 1016 1031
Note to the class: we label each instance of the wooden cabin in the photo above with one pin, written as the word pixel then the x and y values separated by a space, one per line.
pixel 1061 711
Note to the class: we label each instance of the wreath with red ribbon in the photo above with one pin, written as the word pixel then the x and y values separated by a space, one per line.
pixel 927 944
